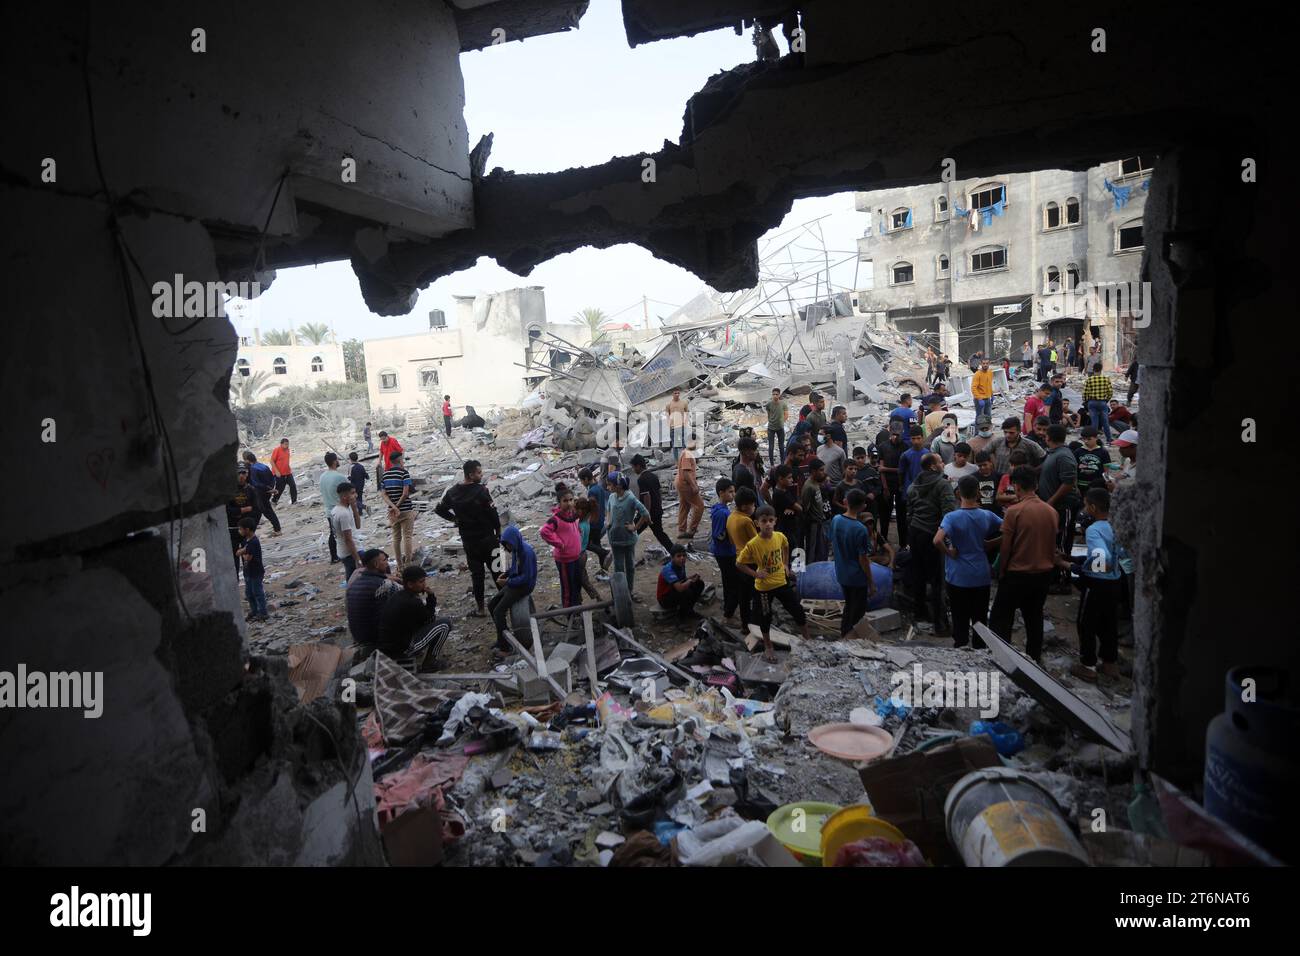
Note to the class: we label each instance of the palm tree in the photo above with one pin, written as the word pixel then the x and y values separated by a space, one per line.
pixel 277 337
pixel 314 332
pixel 244 390
pixel 593 319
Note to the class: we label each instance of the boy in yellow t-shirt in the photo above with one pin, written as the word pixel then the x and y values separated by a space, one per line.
pixel 766 559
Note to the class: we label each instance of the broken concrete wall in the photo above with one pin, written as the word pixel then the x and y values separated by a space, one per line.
pixel 1197 522
pixel 121 411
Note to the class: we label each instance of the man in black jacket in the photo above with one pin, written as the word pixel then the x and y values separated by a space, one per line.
pixel 651 494
pixel 409 625
pixel 929 498
pixel 468 506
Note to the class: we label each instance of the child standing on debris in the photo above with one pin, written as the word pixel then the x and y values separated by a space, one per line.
pixel 254 571
pixel 627 516
pixel 446 414
pixel 766 559
pixel 1099 574
pixel 599 496
pixel 582 507
pixel 814 504
pixel 722 548
pixel 852 544
pixel 562 533
pixel 516 584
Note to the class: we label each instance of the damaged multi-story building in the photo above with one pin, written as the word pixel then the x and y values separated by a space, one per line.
pixel 221 142
pixel 988 264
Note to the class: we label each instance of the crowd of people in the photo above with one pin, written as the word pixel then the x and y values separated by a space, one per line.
pixel 969 507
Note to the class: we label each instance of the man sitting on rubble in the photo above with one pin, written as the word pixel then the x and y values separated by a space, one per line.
pixel 409 626
pixel 515 585
pixel 675 589
pixel 371 586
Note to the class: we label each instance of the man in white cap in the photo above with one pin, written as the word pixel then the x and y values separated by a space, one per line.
pixel 1127 443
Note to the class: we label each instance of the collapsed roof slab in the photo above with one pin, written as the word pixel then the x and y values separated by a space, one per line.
pixel 759 136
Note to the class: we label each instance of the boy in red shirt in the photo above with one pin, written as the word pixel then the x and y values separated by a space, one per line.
pixel 446 413
pixel 1035 404
pixel 387 445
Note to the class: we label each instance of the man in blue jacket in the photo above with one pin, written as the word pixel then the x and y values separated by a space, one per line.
pixel 516 584
pixel 260 477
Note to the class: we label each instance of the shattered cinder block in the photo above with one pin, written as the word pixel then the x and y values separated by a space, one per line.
pixel 884 619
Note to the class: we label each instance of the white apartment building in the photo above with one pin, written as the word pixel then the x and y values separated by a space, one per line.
pixel 478 361
pixel 986 264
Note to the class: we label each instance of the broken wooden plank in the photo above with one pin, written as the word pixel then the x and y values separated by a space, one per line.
pixel 559 691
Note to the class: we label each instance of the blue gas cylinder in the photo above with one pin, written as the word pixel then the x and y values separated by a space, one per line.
pixel 818 583
pixel 1252 774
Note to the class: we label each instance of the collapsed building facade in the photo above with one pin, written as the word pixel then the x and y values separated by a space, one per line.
pixel 180 143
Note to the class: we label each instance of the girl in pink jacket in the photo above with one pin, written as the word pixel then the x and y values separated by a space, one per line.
pixel 562 533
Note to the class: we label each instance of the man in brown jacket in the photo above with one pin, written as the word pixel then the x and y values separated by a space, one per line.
pixel 1025 563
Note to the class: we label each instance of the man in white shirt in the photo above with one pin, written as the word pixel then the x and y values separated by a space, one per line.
pixel 344 521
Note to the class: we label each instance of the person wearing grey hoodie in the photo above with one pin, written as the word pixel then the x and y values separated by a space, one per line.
pixel 929 498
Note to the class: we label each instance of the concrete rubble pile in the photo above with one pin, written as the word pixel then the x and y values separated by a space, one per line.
pixel 683 747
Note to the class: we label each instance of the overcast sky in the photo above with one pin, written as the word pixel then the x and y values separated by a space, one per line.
pixel 552 103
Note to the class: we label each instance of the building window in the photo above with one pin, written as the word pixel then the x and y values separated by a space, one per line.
pixel 428 378
pixel 941 211
pixel 1071 277
pixel 317 363
pixel 1128 237
pixel 900 218
pixel 1053 283
pixel 1072 212
pixel 243 368
pixel 1051 216
pixel 941 266
pixel 1135 165
pixel 388 380
pixel 901 273
pixel 246 341
pixel 280 367
pixel 988 195
pixel 988 260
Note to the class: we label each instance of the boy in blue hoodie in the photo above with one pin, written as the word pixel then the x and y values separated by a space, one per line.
pixel 515 584
pixel 724 552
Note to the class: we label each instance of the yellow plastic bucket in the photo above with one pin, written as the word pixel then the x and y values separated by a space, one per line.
pixel 852 824
pixel 798 826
